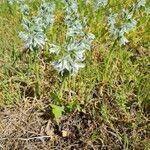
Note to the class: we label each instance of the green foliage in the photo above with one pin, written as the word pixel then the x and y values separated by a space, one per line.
pixel 57 112
pixel 113 86
pixel 121 100
pixel 73 105
pixel 105 113
pixel 55 98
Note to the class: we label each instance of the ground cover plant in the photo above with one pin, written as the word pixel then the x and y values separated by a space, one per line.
pixel 74 74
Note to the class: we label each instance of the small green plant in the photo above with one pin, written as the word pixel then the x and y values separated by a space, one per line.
pixel 122 100
pixel 57 112
pixel 105 113
pixel 73 105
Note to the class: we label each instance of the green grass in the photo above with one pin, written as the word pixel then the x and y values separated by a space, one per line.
pixel 114 85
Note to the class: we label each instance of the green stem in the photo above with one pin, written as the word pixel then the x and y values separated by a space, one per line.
pixel 109 59
pixel 37 76
pixel 62 87
pixel 10 9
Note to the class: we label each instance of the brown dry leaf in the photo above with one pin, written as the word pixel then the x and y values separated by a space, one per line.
pixel 48 131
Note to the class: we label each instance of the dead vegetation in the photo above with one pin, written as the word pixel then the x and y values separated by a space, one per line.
pixel 30 125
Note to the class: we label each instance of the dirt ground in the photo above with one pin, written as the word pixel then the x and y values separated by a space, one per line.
pixel 29 125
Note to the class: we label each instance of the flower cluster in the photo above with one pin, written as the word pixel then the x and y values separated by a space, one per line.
pixel 147 10
pixel 77 41
pixel 34 35
pixel 101 3
pixel 130 22
pixel 15 1
pixel 46 14
pixel 142 3
pixel 119 32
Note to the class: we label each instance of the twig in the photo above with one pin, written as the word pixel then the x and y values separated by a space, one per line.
pixel 27 139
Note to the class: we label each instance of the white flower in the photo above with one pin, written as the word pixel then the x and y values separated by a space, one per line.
pixel 101 3
pixel 123 40
pixel 119 32
pixel 24 9
pixel 141 3
pixel 33 34
pixel 54 48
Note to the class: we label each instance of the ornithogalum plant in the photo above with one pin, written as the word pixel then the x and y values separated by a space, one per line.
pixel 119 32
pixel 34 35
pixel 34 27
pixel 101 3
pixel 76 43
pixel 77 40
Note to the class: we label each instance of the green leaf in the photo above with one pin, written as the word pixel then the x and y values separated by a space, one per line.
pixel 57 112
pixel 55 98
pixel 72 106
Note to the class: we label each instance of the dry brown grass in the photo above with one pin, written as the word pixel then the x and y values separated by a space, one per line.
pixel 29 125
